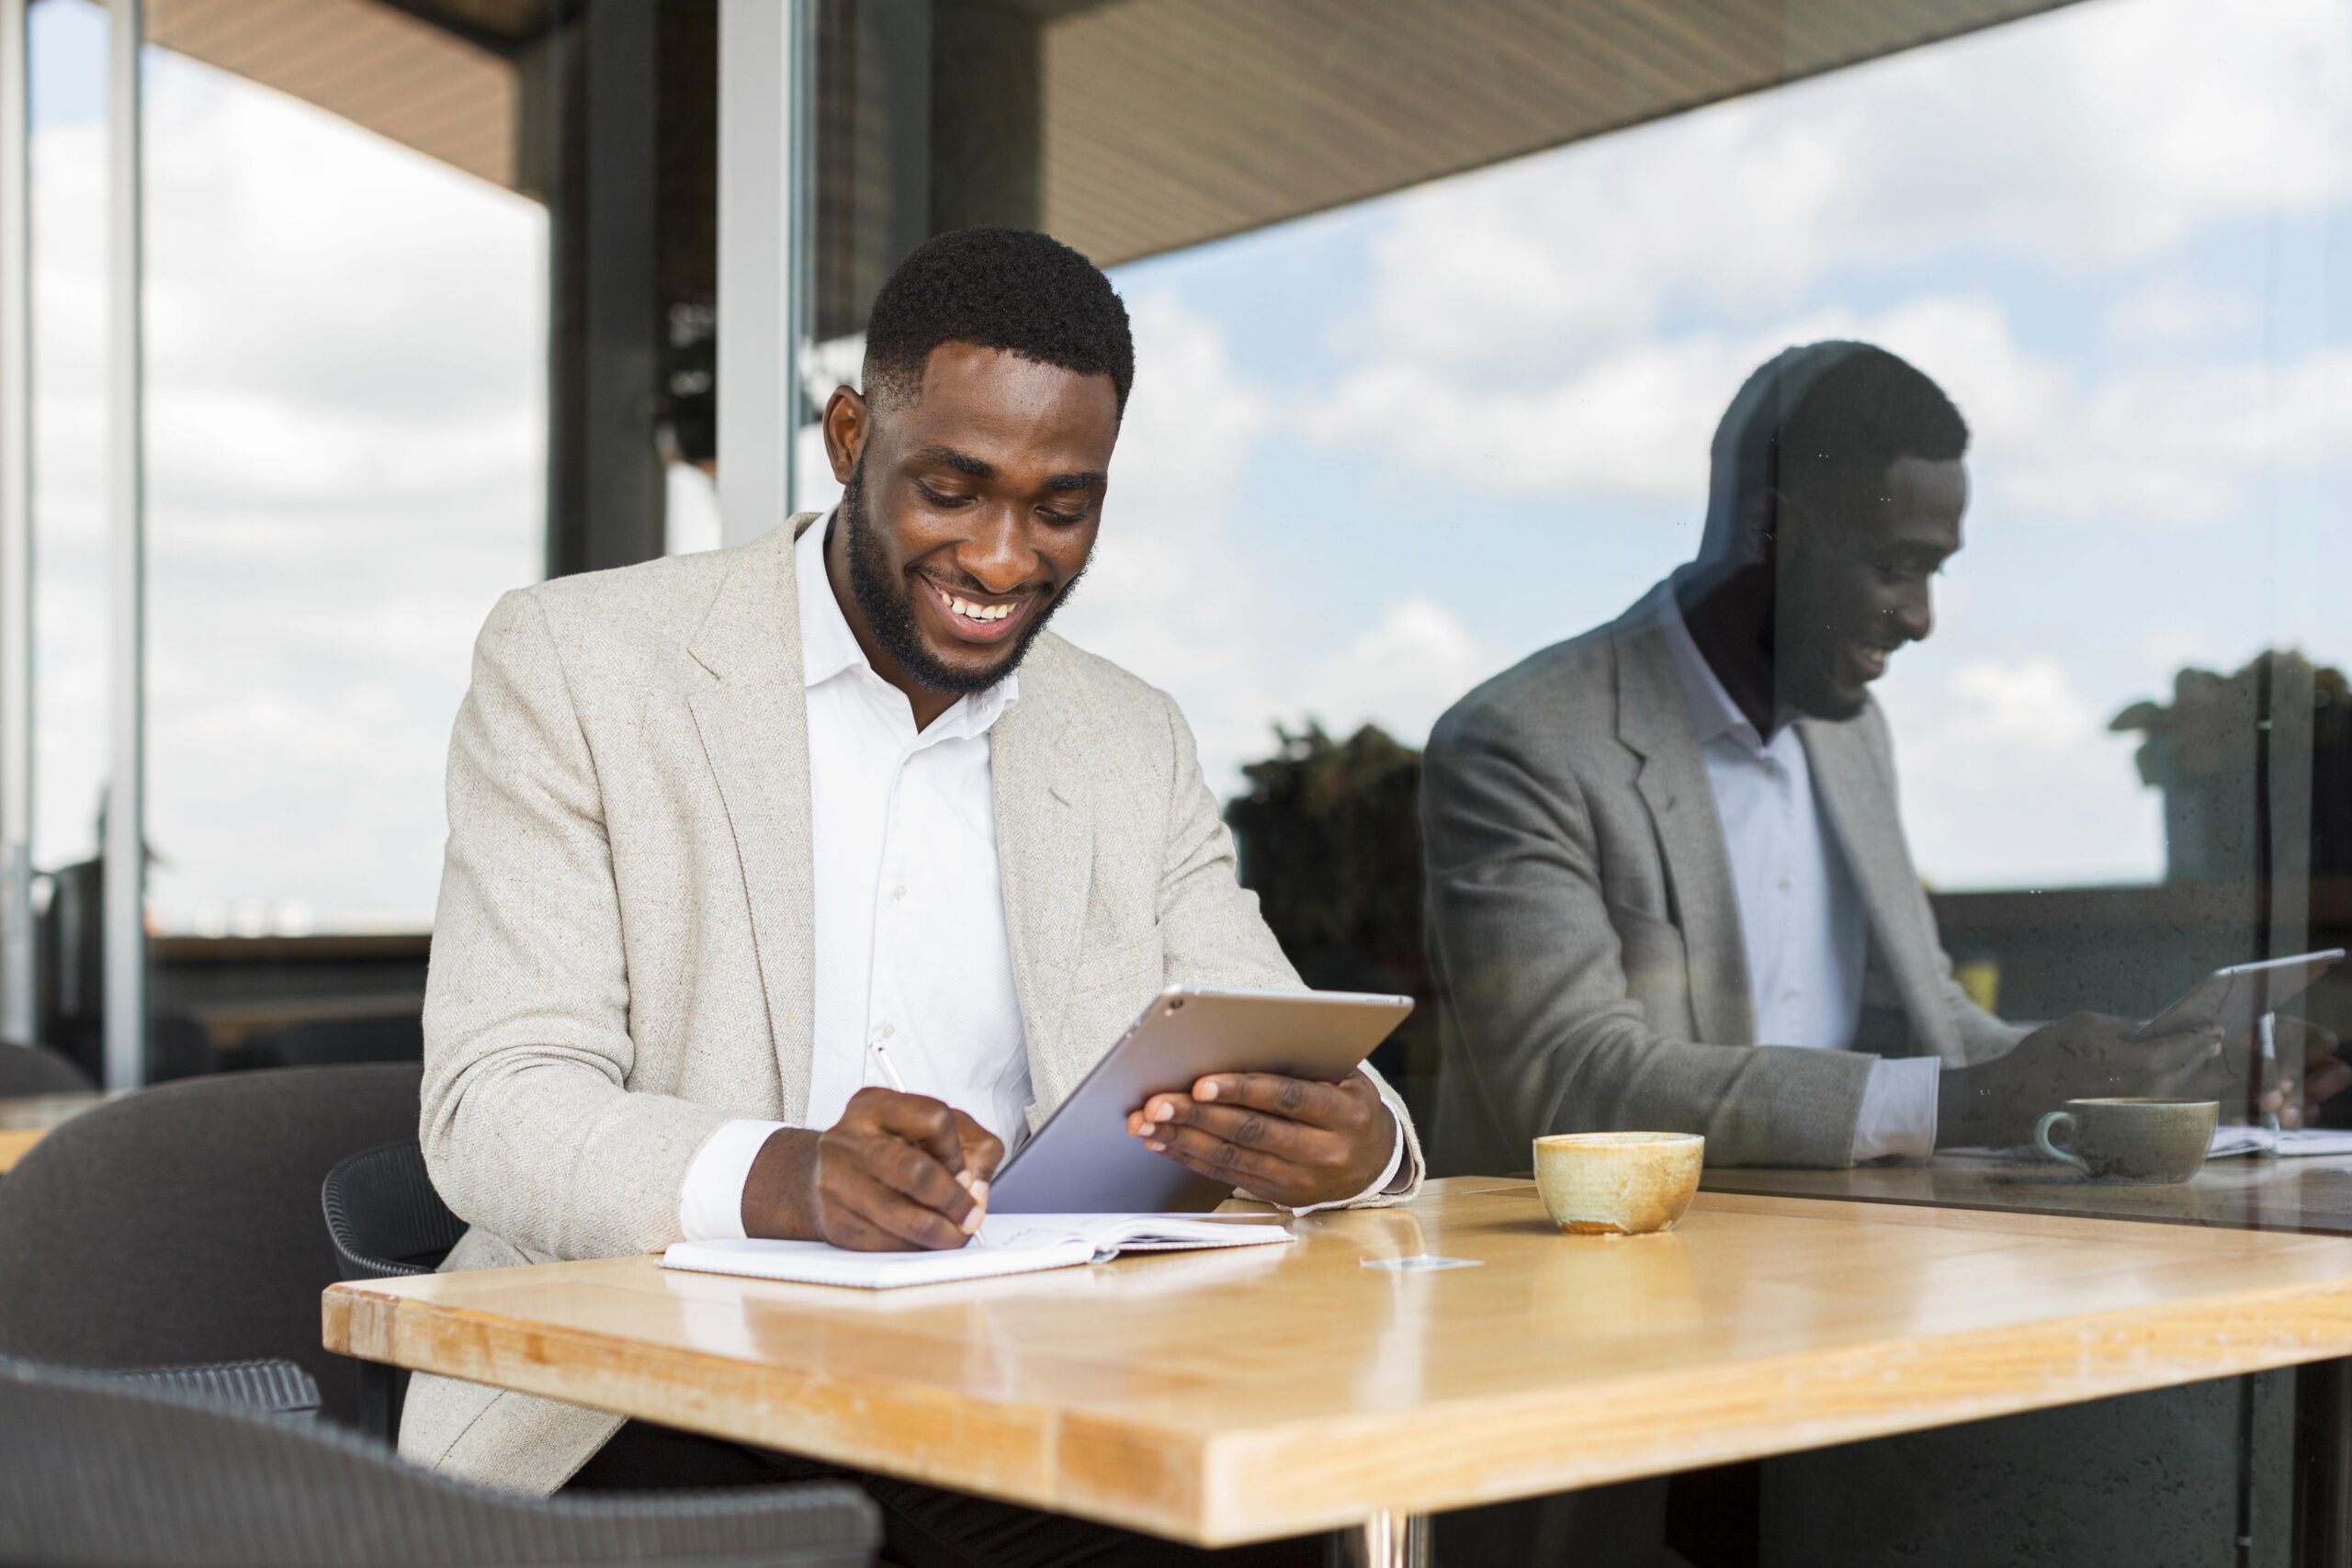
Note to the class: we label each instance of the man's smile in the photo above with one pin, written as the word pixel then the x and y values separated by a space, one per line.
pixel 976 618
pixel 1870 659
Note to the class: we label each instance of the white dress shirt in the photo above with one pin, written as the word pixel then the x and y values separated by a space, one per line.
pixel 911 949
pixel 1801 917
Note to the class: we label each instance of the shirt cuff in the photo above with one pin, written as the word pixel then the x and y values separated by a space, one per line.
pixel 1898 1115
pixel 710 1203
pixel 1386 1179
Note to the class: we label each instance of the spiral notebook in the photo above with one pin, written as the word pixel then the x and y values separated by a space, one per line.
pixel 1007 1244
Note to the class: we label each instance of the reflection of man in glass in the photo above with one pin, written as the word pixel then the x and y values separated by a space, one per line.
pixel 1667 881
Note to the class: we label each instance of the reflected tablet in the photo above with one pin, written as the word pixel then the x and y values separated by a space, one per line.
pixel 1082 1161
pixel 2234 998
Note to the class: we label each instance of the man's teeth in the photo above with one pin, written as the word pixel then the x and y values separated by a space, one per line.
pixel 970 611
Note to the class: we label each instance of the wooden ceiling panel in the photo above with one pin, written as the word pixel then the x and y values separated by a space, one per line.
pixel 1170 122
pixel 382 68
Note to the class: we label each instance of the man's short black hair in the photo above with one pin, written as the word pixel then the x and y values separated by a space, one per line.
pixel 1012 289
pixel 1860 417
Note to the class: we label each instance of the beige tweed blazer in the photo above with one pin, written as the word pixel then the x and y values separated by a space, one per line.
pixel 622 956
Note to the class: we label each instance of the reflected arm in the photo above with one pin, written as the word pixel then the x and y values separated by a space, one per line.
pixel 1541 1022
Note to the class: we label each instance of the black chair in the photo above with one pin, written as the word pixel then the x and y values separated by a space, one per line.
pixel 385 1220
pixel 95 1470
pixel 37 1069
pixel 180 1225
pixel 384 1217
pixel 276 1388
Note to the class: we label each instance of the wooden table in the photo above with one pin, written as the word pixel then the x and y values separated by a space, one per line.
pixel 1225 1397
pixel 2312 1194
pixel 25 1121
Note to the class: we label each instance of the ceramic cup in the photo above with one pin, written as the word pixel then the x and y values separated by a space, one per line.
pixel 2132 1139
pixel 1618 1183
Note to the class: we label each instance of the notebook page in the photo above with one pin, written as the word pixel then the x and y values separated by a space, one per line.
pixel 1112 1234
pixel 1007 1244
pixel 2289 1143
pixel 820 1263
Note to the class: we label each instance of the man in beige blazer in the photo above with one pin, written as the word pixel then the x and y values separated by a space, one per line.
pixel 1667 881
pixel 721 823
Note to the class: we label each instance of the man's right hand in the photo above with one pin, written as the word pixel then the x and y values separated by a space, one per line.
pixel 2088 1056
pixel 897 1173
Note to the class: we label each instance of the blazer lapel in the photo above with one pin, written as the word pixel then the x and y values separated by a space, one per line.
pixel 1653 721
pixel 1858 797
pixel 754 729
pixel 1045 857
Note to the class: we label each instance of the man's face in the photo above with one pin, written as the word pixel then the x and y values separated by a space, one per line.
pixel 1853 581
pixel 970 509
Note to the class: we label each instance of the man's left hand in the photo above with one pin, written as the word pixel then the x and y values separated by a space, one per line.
pixel 2306 1075
pixel 1290 1141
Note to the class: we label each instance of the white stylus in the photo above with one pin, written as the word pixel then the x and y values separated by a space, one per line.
pixel 2267 1031
pixel 964 1178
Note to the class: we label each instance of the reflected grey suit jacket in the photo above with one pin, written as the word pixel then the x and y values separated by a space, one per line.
pixel 1584 928
pixel 622 958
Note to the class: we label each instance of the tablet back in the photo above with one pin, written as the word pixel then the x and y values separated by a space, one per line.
pixel 1082 1161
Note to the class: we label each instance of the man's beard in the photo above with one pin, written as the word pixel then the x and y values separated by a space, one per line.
pixel 888 606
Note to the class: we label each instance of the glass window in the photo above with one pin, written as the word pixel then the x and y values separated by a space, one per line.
pixel 1423 394
pixel 429 310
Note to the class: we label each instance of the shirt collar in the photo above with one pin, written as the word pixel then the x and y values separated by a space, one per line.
pixel 1712 713
pixel 829 648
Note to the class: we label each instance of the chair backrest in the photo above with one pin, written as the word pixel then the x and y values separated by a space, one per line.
pixel 37 1069
pixel 93 1471
pixel 181 1223
pixel 384 1215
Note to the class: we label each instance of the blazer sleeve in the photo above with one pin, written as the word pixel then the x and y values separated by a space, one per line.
pixel 1211 932
pixel 1536 1013
pixel 528 1125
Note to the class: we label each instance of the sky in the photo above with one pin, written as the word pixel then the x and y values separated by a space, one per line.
pixel 1373 456
pixel 346 412
pixel 1376 456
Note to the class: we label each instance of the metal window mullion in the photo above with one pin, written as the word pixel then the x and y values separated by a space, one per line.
pixel 762 111
pixel 17 1018
pixel 125 848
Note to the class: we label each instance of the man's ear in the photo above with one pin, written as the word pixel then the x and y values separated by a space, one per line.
pixel 1759 526
pixel 848 425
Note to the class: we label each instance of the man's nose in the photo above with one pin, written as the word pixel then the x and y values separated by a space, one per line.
pixel 1914 615
pixel 998 555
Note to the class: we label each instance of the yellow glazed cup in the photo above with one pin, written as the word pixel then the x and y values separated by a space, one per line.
pixel 1618 1183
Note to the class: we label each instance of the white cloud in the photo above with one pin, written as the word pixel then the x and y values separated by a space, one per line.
pixel 1399 673
pixel 1177 594
pixel 2010 779
pixel 1576 323
pixel 345 419
pixel 2086 139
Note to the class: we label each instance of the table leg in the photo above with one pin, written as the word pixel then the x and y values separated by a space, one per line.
pixel 1387 1539
pixel 378 1401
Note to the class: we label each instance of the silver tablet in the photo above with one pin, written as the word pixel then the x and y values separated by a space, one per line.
pixel 2235 996
pixel 1082 1161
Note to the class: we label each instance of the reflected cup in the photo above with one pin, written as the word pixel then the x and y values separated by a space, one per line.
pixel 1618 1183
pixel 2131 1139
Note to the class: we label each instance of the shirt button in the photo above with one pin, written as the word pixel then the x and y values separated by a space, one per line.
pixel 899 892
pixel 1784 884
pixel 885 1032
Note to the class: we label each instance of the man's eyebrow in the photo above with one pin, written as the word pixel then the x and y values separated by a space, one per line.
pixel 1090 481
pixel 962 462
